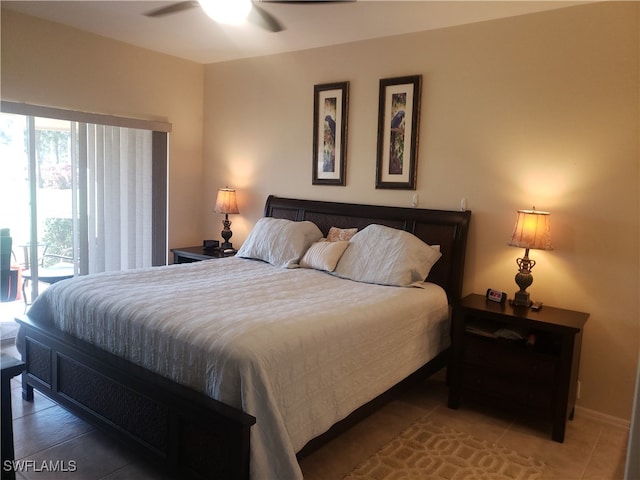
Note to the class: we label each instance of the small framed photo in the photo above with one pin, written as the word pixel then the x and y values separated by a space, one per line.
pixel 330 114
pixel 398 127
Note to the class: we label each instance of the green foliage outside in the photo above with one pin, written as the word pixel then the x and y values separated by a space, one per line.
pixel 58 237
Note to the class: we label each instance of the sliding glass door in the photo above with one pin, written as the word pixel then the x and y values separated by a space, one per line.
pixel 36 194
pixel 81 197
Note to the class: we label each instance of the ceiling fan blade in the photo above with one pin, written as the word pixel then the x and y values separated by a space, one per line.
pixel 264 19
pixel 173 8
pixel 260 17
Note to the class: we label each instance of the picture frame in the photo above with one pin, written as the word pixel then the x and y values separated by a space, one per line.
pixel 330 115
pixel 398 127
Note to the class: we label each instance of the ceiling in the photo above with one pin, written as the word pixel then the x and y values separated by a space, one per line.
pixel 192 35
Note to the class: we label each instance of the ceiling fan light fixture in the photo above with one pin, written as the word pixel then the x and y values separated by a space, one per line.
pixel 230 12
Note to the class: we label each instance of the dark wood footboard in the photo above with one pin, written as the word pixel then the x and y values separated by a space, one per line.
pixel 173 426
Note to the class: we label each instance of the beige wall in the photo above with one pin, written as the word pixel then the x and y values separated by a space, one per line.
pixel 44 63
pixel 534 110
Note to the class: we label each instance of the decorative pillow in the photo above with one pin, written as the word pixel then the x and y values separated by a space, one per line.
pixel 279 242
pixel 324 255
pixel 387 256
pixel 339 234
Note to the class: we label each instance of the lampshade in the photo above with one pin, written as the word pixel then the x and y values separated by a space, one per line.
pixel 226 201
pixel 532 230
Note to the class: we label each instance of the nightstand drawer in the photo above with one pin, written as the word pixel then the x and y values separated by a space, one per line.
pixel 507 390
pixel 509 358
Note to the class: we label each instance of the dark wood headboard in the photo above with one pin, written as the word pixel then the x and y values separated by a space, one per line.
pixel 446 228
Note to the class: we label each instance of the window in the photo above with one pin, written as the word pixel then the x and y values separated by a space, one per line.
pixel 85 189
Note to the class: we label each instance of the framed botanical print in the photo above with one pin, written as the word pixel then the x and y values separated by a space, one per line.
pixel 398 127
pixel 330 114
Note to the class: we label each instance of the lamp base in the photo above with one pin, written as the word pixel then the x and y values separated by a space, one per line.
pixel 226 234
pixel 523 279
pixel 521 299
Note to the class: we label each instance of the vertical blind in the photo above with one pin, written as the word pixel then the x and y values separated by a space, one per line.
pixel 117 193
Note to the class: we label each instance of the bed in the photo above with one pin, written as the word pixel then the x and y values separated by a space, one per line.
pixel 280 369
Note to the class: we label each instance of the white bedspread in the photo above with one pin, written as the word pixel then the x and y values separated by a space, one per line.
pixel 299 349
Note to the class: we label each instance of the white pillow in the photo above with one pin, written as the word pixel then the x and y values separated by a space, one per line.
pixel 324 255
pixel 387 256
pixel 280 242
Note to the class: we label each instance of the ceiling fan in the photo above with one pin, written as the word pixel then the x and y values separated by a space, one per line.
pixel 249 10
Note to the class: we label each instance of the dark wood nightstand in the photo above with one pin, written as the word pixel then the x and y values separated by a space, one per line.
pixel 10 368
pixel 536 374
pixel 196 254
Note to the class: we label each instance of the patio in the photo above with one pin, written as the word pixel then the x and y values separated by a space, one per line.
pixel 8 326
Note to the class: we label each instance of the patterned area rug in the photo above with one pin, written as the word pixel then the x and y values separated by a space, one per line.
pixel 430 451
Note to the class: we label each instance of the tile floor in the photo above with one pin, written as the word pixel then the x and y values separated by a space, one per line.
pixel 44 431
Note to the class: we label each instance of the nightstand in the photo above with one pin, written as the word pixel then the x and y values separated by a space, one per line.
pixel 516 358
pixel 10 368
pixel 196 254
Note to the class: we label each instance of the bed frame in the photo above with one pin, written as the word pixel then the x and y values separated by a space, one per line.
pixel 184 431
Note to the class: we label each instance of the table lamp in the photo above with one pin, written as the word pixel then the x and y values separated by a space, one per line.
pixel 530 232
pixel 226 203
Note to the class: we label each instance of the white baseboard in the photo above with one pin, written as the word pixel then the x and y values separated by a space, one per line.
pixel 603 417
